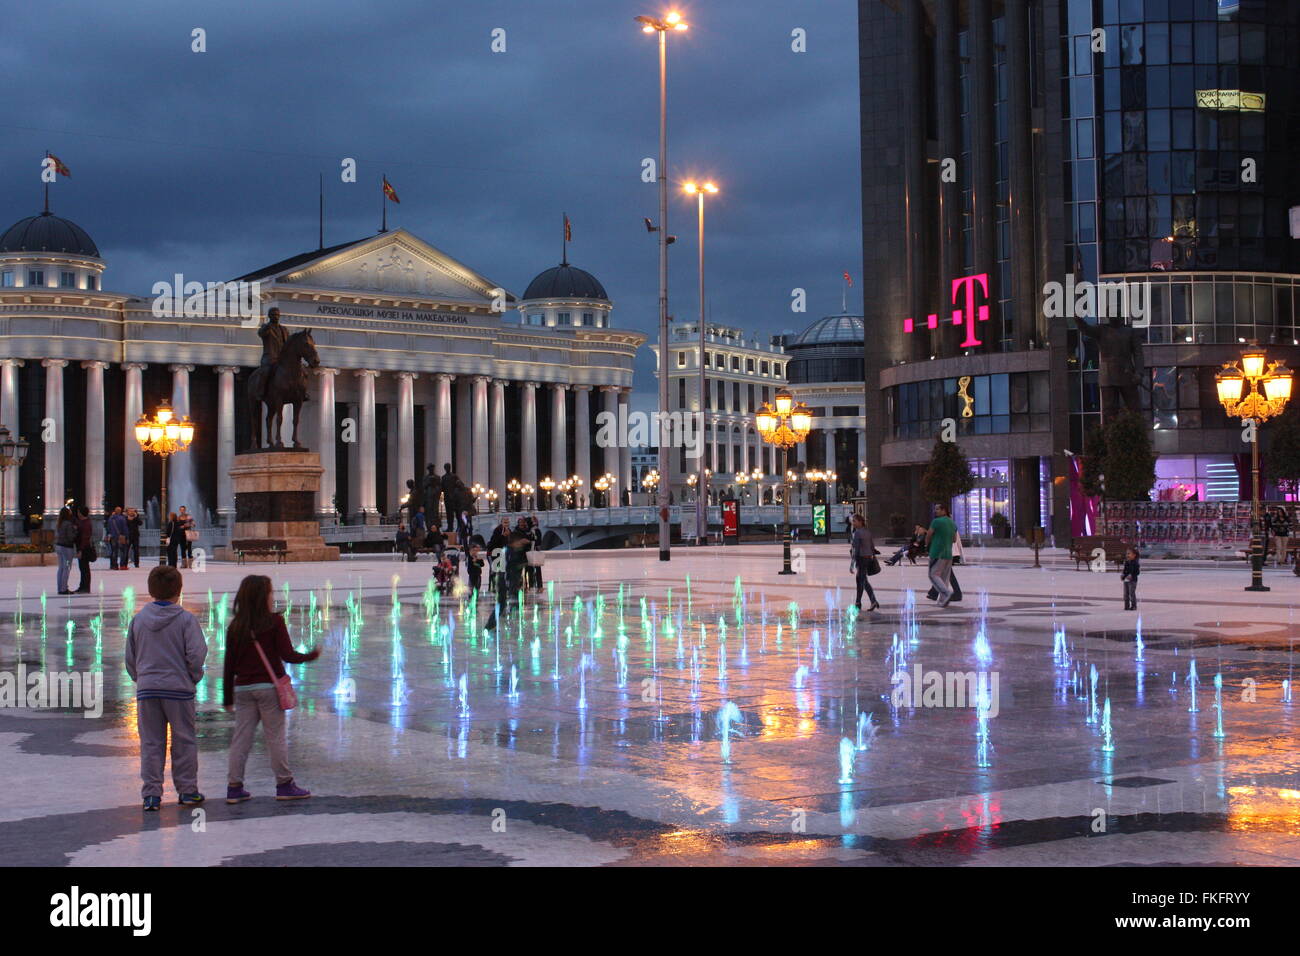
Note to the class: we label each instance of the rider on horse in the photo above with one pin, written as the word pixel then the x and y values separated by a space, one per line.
pixel 273 336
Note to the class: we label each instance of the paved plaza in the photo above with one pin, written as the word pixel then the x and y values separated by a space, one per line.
pixel 630 718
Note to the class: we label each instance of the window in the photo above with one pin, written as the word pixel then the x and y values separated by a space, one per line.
pixel 564 318
pixel 735 363
pixel 92 282
pixel 67 280
pixel 7 279
pixel 681 393
pixel 588 318
pixel 535 318
pixel 735 396
pixel 749 365
pixel 681 360
pixel 35 277
pixel 763 367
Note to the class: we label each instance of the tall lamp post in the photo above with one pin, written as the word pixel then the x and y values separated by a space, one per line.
pixel 13 452
pixel 673 21
pixel 513 488
pixel 699 190
pixel 1267 390
pixel 784 425
pixel 547 485
pixel 164 436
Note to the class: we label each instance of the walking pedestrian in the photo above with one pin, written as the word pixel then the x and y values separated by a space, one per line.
pixel 939 539
pixel 86 554
pixel 65 548
pixel 254 686
pixel 165 652
pixel 952 572
pixel 862 559
pixel 1132 568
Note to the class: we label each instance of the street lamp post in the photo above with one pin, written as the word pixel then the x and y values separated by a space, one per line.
pixel 1267 391
pixel 164 436
pixel 514 488
pixel 672 21
pixel 13 452
pixel 784 425
pixel 547 485
pixel 699 191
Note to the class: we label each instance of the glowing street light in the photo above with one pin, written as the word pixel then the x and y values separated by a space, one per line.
pixel 164 436
pixel 13 452
pixel 784 424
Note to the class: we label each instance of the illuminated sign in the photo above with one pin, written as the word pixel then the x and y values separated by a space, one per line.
pixel 819 521
pixel 967 314
pixel 1230 100
pixel 968 409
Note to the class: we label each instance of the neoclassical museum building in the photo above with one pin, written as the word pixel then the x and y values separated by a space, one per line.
pixel 422 359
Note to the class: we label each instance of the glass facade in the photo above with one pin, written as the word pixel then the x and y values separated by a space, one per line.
pixel 1010 402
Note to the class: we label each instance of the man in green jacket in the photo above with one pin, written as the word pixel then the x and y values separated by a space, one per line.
pixel 939 539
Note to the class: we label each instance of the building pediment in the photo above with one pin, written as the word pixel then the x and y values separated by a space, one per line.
pixel 397 264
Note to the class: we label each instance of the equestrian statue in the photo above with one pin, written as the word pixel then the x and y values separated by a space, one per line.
pixel 280 380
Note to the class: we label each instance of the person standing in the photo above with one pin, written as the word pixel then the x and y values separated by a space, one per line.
pixel 939 539
pixel 165 652
pixel 133 525
pixel 65 547
pixel 862 559
pixel 173 532
pixel 1132 568
pixel 188 534
pixel 1281 529
pixel 118 539
pixel 952 572
pixel 86 553
pixel 257 648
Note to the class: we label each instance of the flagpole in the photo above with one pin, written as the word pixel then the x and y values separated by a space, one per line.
pixel 383 202
pixel 322 211
pixel 47 188
pixel 564 241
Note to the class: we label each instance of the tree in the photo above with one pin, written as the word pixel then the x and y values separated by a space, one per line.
pixel 1282 460
pixel 947 475
pixel 1090 475
pixel 1128 461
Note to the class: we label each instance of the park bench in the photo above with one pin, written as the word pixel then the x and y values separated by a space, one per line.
pixel 259 548
pixel 1082 549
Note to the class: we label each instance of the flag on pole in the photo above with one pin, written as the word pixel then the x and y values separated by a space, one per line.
pixel 59 166
pixel 390 192
pixel 849 279
pixel 568 229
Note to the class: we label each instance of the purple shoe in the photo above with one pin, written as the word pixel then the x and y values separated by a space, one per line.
pixel 291 791
pixel 237 795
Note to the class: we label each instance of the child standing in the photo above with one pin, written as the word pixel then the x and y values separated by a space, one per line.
pixel 474 568
pixel 165 651
pixel 1132 569
pixel 257 645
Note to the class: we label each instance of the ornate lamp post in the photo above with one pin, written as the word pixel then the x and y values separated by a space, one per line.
pixel 692 480
pixel 164 436
pixel 491 495
pixel 742 479
pixel 1267 391
pixel 526 493
pixel 13 452
pixel 514 488
pixel 547 485
pixel 784 424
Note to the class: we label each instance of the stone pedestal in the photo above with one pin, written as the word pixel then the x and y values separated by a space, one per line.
pixel 275 507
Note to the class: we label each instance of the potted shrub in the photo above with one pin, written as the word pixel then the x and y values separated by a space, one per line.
pixel 1000 525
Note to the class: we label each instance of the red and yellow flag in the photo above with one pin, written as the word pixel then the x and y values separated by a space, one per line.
pixel 390 192
pixel 849 279
pixel 59 167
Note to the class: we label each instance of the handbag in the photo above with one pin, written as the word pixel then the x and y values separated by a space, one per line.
pixel 284 692
pixel 191 536
pixel 873 566
pixel 536 559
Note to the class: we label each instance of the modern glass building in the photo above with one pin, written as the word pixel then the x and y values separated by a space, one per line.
pixel 1013 151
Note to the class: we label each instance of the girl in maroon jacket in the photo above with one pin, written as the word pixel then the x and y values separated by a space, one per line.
pixel 249 690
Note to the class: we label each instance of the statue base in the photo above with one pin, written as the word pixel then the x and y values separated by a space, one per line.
pixel 275 505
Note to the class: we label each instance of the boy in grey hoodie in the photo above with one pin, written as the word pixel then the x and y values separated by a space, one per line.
pixel 165 651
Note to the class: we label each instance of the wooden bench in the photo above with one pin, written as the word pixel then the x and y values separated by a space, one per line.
pixel 259 548
pixel 1081 549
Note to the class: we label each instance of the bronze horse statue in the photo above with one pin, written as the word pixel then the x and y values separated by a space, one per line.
pixel 278 385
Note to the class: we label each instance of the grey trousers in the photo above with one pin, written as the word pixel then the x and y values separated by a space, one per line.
pixel 252 706
pixel 152 719
pixel 940 568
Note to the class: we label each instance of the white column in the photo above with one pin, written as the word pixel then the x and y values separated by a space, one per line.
pixel 441 452
pixel 52 429
pixel 181 389
pixel 479 441
pixel 94 483
pixel 225 441
pixel 498 430
pixel 325 443
pixel 744 447
pixel 133 457
pixel 559 434
pixel 9 418
pixel 611 463
pixel 582 436
pixel 366 451
pixel 405 434
pixel 464 431
pixel 624 450
pixel 352 506
pixel 862 459
pixel 830 464
pixel 528 432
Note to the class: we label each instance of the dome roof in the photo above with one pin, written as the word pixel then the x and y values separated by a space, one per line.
pixel 565 282
pixel 48 233
pixel 831 330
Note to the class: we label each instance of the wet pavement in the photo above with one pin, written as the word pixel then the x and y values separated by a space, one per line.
pixel 626 718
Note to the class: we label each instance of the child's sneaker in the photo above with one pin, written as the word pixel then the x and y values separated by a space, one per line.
pixel 291 791
pixel 237 795
pixel 191 799
pixel 153 803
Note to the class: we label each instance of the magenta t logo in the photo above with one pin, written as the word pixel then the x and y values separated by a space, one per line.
pixel 968 312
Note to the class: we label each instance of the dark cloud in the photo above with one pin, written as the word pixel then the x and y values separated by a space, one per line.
pixel 207 164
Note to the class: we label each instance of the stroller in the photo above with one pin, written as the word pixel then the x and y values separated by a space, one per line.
pixel 447 571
